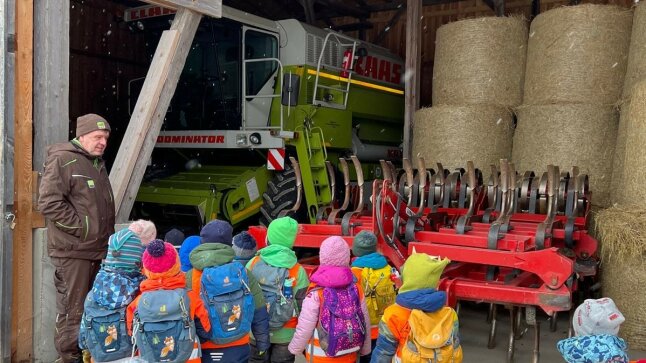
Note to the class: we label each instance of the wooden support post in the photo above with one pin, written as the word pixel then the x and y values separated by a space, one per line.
pixel 412 73
pixel 22 311
pixel 51 76
pixel 5 346
pixel 152 104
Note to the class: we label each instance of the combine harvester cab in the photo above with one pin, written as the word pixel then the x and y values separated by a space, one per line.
pixel 253 93
pixel 519 240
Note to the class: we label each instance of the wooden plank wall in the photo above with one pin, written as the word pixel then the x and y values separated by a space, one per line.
pixel 21 309
pixel 435 16
pixel 104 55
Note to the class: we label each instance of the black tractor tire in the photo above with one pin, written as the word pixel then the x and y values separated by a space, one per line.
pixel 281 195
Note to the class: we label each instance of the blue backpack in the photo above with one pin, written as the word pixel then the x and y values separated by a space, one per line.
pixel 226 294
pixel 103 332
pixel 162 327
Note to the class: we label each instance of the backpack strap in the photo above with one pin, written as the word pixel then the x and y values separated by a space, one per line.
pixel 253 261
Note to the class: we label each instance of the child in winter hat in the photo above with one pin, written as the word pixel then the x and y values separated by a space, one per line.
pixel 596 325
pixel 216 253
pixel 117 283
pixel 333 273
pixel 185 250
pixel 162 269
pixel 420 275
pixel 276 256
pixel 367 266
pixel 244 246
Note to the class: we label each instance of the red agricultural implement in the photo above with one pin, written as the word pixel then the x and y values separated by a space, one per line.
pixel 519 240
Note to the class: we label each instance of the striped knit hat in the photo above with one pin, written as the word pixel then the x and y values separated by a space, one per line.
pixel 124 251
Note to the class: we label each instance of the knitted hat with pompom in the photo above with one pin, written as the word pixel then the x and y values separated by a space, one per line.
pixel 160 260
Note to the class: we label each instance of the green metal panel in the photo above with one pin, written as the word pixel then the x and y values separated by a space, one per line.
pixel 238 188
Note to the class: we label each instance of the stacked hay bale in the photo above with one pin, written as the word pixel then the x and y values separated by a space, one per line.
pixel 576 63
pixel 622 228
pixel 622 232
pixel 477 76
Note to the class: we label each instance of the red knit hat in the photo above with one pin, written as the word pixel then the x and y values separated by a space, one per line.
pixel 160 260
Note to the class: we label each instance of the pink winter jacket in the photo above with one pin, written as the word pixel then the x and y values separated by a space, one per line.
pixel 325 276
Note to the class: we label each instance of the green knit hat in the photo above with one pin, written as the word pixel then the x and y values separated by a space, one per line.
pixel 422 271
pixel 282 232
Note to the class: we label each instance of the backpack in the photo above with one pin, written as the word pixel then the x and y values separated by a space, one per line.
pixel 228 299
pixel 433 337
pixel 103 331
pixel 162 327
pixel 280 308
pixel 341 327
pixel 379 291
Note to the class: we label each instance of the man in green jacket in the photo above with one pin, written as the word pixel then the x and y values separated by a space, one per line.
pixel 281 235
pixel 75 196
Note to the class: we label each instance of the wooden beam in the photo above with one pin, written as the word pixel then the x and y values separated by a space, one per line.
pixel 5 269
pixel 394 5
pixel 212 8
pixel 412 71
pixel 382 34
pixel 51 76
pixel 22 282
pixel 150 110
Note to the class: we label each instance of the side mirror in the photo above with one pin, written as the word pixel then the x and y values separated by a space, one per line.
pixel 291 87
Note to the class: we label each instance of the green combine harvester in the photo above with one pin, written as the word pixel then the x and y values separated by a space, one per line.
pixel 253 94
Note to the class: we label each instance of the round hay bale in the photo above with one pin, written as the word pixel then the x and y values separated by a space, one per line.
pixel 568 135
pixel 616 191
pixel 630 175
pixel 577 54
pixel 454 135
pixel 636 68
pixel 622 236
pixel 480 61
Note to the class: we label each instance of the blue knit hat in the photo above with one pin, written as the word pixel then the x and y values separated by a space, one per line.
pixel 188 245
pixel 124 251
pixel 217 231
pixel 244 245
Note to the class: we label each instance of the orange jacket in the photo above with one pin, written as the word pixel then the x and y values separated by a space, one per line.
pixel 396 320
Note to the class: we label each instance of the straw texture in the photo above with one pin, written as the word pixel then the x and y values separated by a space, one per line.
pixel 629 175
pixel 577 54
pixel 622 234
pixel 568 135
pixel 636 69
pixel 480 61
pixel 454 134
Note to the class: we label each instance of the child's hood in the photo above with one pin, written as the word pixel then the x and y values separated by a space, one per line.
pixel 116 288
pixel 593 348
pixel 278 256
pixel 374 260
pixel 211 254
pixel 332 276
pixel 428 300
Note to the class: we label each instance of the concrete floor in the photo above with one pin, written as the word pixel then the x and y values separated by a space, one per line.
pixel 474 331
